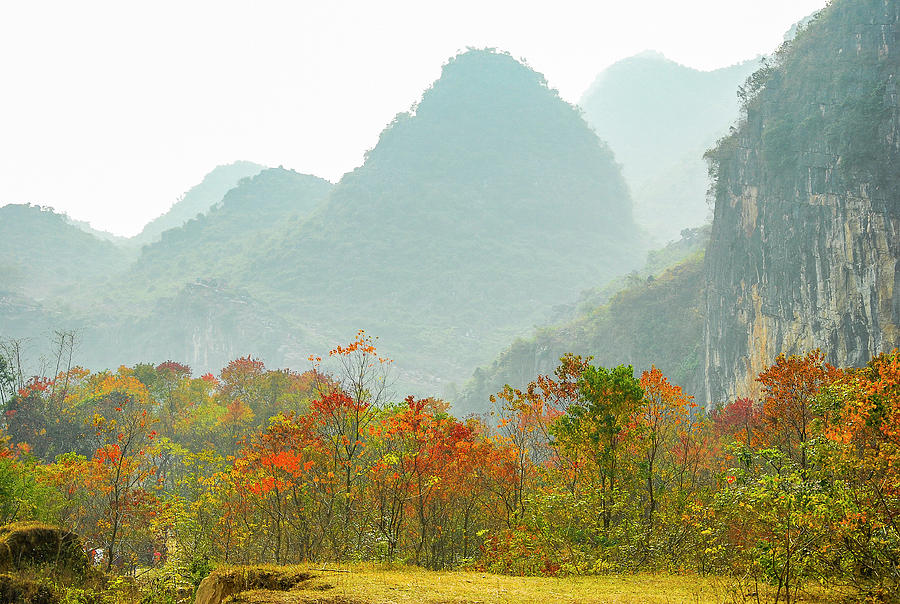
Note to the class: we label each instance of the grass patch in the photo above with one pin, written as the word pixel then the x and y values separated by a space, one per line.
pixel 378 584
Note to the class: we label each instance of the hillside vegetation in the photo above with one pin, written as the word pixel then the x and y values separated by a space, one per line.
pixel 652 317
pixel 486 204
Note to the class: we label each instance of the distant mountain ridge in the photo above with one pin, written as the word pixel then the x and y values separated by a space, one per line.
pixel 198 200
pixel 659 117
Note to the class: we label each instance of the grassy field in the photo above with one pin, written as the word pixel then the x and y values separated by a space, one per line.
pixel 364 584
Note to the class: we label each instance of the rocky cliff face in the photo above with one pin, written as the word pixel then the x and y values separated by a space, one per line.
pixel 805 246
pixel 206 325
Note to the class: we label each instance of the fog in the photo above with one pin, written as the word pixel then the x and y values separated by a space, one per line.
pixel 110 111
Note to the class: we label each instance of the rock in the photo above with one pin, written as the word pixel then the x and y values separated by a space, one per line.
pixel 224 583
pixel 212 590
pixel 28 543
pixel 805 246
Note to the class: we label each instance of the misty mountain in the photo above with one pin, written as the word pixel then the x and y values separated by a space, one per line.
pixel 42 254
pixel 487 203
pixel 198 200
pixel 216 244
pixel 659 118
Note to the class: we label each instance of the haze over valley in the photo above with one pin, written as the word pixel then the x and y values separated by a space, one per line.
pixel 621 314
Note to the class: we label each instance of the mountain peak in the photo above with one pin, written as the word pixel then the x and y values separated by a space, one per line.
pixel 199 199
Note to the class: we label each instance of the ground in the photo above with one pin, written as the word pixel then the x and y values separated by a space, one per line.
pixel 365 584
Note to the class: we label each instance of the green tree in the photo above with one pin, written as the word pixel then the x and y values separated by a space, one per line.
pixel 595 427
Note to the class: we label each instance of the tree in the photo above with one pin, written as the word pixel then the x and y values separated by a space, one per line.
pixel 665 410
pixel 595 427
pixel 348 403
pixel 123 428
pixel 7 381
pixel 790 388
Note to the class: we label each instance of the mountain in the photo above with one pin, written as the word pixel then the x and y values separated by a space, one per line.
pixel 180 298
pixel 481 209
pixel 659 117
pixel 215 244
pixel 487 203
pixel 805 244
pixel 198 200
pixel 42 254
pixel 651 317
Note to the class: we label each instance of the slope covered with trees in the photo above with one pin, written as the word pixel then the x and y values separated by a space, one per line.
pixel 651 317
pixel 198 200
pixel 42 254
pixel 487 203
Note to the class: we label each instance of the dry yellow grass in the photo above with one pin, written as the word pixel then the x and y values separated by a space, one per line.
pixel 365 584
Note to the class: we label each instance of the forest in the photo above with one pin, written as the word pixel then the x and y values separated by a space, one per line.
pixel 589 470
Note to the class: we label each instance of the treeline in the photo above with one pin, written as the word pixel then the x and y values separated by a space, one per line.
pixel 588 470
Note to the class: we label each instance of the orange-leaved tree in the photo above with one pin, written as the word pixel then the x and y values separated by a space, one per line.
pixel 123 431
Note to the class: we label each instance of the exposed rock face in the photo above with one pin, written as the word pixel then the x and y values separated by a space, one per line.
pixel 206 325
pixel 805 248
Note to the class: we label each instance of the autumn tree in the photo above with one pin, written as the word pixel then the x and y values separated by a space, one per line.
pixel 349 401
pixel 663 421
pixel 523 440
pixel 790 387
pixel 863 432
pixel 123 429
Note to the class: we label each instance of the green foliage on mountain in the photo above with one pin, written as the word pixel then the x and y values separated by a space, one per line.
pixel 481 207
pixel 215 244
pixel 198 200
pixel 817 110
pixel 655 317
pixel 42 254
pixel 659 117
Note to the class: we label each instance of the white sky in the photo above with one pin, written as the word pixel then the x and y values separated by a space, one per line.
pixel 110 110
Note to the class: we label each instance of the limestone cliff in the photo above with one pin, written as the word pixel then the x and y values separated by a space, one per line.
pixel 806 234
pixel 206 325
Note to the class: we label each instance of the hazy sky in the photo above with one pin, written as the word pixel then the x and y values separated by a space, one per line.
pixel 110 110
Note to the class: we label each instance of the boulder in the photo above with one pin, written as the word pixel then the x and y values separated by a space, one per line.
pixel 30 543
pixel 227 582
